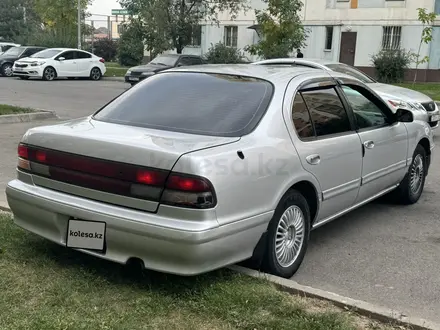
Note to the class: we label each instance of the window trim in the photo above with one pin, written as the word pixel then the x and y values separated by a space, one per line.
pixel 232 27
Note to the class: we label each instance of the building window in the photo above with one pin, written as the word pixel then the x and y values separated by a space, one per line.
pixel 391 37
pixel 231 35
pixel 196 36
pixel 328 37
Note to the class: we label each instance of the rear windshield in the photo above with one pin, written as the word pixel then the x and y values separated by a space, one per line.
pixel 195 103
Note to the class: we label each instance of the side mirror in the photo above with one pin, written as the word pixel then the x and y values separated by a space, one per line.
pixel 404 116
pixel 61 59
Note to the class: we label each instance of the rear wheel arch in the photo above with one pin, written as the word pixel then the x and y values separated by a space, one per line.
pixel 310 193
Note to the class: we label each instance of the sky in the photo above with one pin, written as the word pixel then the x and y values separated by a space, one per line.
pixel 103 7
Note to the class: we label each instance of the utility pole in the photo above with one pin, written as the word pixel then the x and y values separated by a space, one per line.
pixel 79 24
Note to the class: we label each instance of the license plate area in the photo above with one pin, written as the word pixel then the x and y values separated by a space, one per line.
pixel 435 118
pixel 84 234
pixel 133 78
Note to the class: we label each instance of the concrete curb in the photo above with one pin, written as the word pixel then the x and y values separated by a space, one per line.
pixel 4 207
pixel 378 313
pixel 28 117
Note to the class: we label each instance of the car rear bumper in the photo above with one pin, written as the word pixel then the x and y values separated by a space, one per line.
pixel 135 234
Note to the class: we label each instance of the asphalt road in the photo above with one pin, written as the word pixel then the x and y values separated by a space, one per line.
pixel 380 253
pixel 69 98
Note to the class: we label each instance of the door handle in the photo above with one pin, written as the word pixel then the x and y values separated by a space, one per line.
pixel 369 144
pixel 313 159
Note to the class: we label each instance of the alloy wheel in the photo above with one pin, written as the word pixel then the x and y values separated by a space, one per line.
pixel 290 236
pixel 7 70
pixel 96 74
pixel 416 175
pixel 49 74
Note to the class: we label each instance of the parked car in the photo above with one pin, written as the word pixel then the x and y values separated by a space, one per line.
pixel 422 106
pixel 160 63
pixel 8 58
pixel 55 63
pixel 4 46
pixel 238 161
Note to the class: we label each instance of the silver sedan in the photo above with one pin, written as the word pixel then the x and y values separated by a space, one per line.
pixel 239 161
pixel 422 106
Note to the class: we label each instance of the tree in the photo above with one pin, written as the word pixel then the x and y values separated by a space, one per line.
pixel 169 24
pixel 280 29
pixel 60 21
pixel 131 47
pixel 105 48
pixel 427 19
pixel 17 20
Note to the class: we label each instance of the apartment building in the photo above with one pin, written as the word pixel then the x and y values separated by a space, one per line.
pixel 349 31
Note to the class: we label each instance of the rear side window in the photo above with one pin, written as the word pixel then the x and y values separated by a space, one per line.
pixel 81 55
pixel 301 118
pixel 195 103
pixel 327 112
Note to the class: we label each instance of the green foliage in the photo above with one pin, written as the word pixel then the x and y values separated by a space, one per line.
pixel 170 24
pixel 390 64
pixel 131 47
pixel 280 29
pixel 105 48
pixel 219 54
pixel 427 19
pixel 52 38
pixel 17 20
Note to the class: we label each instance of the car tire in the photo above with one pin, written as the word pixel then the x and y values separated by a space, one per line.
pixel 411 187
pixel 49 74
pixel 95 74
pixel 288 235
pixel 6 70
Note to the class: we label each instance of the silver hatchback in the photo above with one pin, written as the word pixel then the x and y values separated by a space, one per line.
pixel 198 168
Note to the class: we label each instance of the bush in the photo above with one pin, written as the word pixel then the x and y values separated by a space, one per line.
pixel 105 48
pixel 131 47
pixel 390 65
pixel 221 54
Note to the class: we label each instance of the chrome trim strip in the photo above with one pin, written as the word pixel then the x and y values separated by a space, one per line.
pixel 384 171
pixel 342 189
pixel 337 215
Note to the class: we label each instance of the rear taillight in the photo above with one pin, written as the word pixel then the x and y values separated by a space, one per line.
pixel 158 185
pixel 188 191
pixel 101 60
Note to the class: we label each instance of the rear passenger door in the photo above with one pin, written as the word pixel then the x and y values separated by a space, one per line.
pixel 85 63
pixel 327 144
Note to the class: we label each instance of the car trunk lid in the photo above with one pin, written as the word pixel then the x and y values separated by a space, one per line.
pixel 106 161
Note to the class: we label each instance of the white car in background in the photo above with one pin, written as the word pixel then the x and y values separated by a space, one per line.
pixel 60 63
pixel 4 46
pixel 421 105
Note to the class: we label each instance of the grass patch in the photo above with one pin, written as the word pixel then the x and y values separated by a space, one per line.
pixel 430 89
pixel 6 109
pixel 46 286
pixel 115 72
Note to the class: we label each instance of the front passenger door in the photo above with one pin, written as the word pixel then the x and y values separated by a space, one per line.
pixel 67 67
pixel 384 142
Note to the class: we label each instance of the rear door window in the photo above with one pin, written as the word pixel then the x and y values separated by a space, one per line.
pixel 196 103
pixel 327 111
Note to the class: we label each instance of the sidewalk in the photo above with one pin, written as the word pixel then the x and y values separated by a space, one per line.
pixel 10 135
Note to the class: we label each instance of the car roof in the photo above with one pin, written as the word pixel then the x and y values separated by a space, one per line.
pixel 269 73
pixel 66 49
